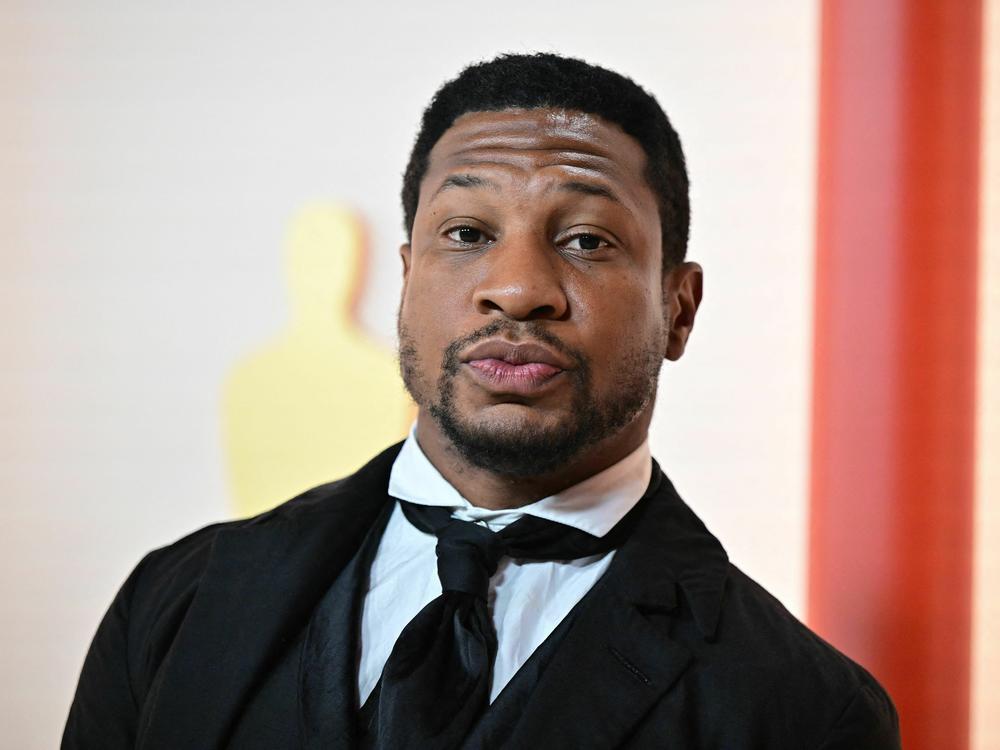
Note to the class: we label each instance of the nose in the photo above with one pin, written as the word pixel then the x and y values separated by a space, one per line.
pixel 524 281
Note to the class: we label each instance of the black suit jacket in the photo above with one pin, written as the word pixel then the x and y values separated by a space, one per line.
pixel 673 648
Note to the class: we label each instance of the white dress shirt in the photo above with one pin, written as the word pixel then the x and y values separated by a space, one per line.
pixel 527 600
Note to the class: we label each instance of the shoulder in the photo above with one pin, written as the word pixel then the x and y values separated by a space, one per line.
pixel 757 671
pixel 759 626
pixel 190 552
pixel 775 667
pixel 172 572
pixel 164 582
pixel 166 573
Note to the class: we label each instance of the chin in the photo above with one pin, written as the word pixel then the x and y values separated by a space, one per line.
pixel 514 439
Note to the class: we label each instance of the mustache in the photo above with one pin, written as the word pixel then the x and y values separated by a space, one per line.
pixel 519 332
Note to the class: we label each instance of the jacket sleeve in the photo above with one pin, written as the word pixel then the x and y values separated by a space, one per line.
pixel 869 722
pixel 104 710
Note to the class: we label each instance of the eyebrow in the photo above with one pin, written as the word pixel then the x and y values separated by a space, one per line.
pixel 590 189
pixel 465 181
pixel 474 181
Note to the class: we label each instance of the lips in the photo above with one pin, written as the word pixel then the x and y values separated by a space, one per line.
pixel 520 369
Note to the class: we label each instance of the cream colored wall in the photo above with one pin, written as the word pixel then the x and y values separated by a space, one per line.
pixel 151 159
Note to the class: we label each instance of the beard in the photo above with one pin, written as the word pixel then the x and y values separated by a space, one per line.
pixel 521 451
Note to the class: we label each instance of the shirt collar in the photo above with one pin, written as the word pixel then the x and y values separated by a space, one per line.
pixel 594 505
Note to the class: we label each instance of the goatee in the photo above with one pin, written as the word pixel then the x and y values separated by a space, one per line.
pixel 520 451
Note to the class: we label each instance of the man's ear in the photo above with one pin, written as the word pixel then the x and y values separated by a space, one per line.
pixel 681 298
pixel 404 254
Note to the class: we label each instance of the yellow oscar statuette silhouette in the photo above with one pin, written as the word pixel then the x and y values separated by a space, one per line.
pixel 320 400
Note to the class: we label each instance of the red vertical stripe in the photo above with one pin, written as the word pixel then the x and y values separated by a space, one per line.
pixel 894 368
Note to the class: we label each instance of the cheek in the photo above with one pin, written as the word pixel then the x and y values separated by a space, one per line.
pixel 621 313
pixel 434 284
pixel 623 335
pixel 431 301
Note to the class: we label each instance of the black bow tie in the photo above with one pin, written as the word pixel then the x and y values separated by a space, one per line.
pixel 436 682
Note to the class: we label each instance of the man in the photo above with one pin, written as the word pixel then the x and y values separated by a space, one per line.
pixel 519 573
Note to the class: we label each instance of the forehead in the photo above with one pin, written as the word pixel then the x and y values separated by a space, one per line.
pixel 530 140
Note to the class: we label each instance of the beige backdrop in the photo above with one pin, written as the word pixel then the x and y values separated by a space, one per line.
pixel 153 158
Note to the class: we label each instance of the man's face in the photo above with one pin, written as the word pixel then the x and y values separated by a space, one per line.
pixel 534 315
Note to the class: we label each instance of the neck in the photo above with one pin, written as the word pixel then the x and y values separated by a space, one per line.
pixel 487 489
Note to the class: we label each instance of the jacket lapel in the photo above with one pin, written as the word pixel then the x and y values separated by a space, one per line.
pixel 262 582
pixel 618 660
pixel 328 685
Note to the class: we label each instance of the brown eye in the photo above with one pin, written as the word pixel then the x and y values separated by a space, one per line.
pixel 586 242
pixel 466 235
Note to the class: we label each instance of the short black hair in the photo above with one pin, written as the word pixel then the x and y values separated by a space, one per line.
pixel 543 81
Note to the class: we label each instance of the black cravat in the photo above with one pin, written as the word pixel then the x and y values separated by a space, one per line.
pixel 436 682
